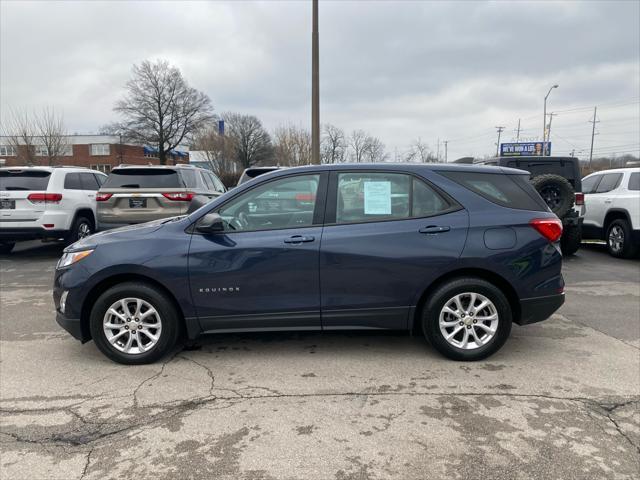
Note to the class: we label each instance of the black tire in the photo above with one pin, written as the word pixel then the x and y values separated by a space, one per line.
pixel 441 296
pixel 6 247
pixel 570 240
pixel 619 239
pixel 556 191
pixel 82 227
pixel 169 317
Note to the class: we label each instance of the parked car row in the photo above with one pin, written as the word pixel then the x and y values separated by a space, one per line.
pixel 70 203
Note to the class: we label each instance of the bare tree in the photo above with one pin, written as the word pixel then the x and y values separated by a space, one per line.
pixel 374 150
pixel 292 146
pixel 161 109
pixel 19 129
pixel 52 139
pixel 333 147
pixel 420 152
pixel 218 151
pixel 357 142
pixel 250 141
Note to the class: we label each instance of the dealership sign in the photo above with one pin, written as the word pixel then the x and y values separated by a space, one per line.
pixel 524 149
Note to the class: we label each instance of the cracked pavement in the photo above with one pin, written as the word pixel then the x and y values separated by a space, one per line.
pixel 560 400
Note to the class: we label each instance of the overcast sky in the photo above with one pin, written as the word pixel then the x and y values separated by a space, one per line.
pixel 399 69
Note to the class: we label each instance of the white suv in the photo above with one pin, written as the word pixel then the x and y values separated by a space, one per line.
pixel 47 203
pixel 612 209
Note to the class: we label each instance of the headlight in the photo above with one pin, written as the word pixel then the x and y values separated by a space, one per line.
pixel 72 257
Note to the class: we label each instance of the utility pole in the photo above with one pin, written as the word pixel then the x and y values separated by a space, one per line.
pixel 545 145
pixel 446 160
pixel 593 133
pixel 500 129
pixel 518 132
pixel 315 89
pixel 438 151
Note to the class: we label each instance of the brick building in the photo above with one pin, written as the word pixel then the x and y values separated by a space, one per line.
pixel 99 152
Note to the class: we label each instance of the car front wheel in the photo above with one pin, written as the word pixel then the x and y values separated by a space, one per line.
pixel 134 324
pixel 467 319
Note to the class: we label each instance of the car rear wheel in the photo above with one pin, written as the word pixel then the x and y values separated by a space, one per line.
pixel 134 324
pixel 6 247
pixel 82 227
pixel 619 239
pixel 467 319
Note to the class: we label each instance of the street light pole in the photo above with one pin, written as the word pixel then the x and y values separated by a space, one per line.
pixel 544 121
pixel 315 89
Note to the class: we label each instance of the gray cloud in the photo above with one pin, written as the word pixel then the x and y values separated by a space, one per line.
pixel 399 69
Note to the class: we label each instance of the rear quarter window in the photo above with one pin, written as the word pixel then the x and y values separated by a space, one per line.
pixel 143 178
pixel 589 184
pixel 24 180
pixel 512 191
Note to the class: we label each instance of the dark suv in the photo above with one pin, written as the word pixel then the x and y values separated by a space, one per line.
pixel 455 252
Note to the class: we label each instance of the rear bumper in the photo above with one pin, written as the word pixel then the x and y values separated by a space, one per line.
pixel 538 309
pixel 30 233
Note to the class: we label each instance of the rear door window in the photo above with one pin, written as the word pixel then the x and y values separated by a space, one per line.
pixel 207 181
pixel 24 180
pixel 609 182
pixel 89 181
pixel 589 184
pixel 72 181
pixel 143 178
pixel 100 178
pixel 512 191
pixel 634 181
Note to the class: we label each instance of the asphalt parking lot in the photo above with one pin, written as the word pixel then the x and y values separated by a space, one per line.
pixel 560 400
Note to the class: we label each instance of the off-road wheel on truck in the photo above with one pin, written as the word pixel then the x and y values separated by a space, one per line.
pixel 570 240
pixel 556 191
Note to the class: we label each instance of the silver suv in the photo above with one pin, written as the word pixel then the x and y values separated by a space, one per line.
pixel 139 193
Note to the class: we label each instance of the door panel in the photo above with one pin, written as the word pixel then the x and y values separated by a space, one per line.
pixel 372 273
pixel 254 280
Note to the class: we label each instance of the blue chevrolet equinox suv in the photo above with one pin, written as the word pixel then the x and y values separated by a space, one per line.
pixel 457 252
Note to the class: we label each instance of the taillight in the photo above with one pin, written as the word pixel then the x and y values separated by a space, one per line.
pixel 103 197
pixel 45 197
pixel 549 228
pixel 179 196
pixel 305 197
pixel 579 198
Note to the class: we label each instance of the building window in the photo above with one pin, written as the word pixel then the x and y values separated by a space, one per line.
pixel 100 149
pixel 7 151
pixel 64 151
pixel 102 167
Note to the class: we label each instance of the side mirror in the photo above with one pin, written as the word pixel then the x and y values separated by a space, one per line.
pixel 210 223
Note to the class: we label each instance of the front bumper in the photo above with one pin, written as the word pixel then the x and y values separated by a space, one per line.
pixel 538 309
pixel 71 325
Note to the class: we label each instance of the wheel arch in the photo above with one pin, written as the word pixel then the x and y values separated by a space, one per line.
pixel 116 279
pixel 84 212
pixel 614 214
pixel 492 277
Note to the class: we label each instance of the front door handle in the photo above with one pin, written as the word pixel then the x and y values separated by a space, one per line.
pixel 434 229
pixel 299 239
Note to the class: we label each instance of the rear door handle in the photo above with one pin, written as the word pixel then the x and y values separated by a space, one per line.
pixel 608 200
pixel 299 239
pixel 434 229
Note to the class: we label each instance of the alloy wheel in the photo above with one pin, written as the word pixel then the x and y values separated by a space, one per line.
pixel 468 320
pixel 132 325
pixel 84 230
pixel 616 238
